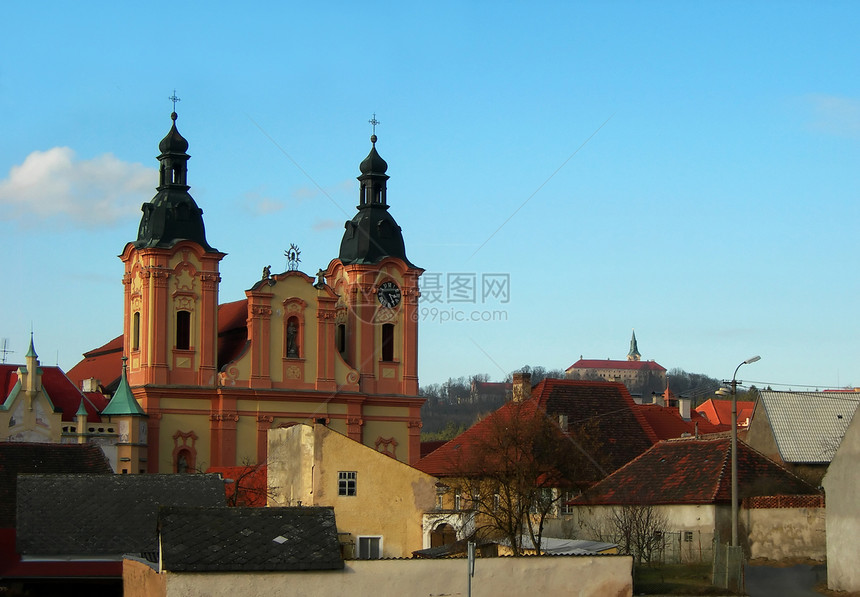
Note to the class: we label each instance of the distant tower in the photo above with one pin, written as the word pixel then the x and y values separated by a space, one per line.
pixel 171 283
pixel 634 355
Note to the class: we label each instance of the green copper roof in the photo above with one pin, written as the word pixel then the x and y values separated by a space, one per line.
pixel 82 412
pixel 31 352
pixel 123 402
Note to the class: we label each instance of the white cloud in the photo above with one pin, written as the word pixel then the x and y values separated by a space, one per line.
pixel 835 115
pixel 321 225
pixel 85 193
pixel 262 205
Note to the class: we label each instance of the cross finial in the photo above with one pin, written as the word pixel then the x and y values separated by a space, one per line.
pixel 174 99
pixel 373 121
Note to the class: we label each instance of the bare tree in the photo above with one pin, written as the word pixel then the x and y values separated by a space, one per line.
pixel 638 529
pixel 514 473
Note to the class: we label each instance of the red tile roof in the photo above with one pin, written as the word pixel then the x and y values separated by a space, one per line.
pixel 719 412
pixel 62 392
pixel 620 431
pixel 612 364
pixel 693 471
pixel 105 363
pixel 667 423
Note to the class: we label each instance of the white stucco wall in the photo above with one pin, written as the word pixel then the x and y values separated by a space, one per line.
pixel 599 576
pixel 698 519
pixel 842 486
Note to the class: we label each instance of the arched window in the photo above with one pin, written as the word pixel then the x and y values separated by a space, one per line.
pixel 135 331
pixel 184 461
pixel 184 452
pixel 292 349
pixel 183 330
pixel 387 341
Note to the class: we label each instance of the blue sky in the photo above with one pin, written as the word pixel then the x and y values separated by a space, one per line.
pixel 685 169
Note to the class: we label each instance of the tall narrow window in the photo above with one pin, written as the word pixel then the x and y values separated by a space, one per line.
pixel 340 339
pixel 183 330
pixel 135 331
pixel 387 341
pixel 292 348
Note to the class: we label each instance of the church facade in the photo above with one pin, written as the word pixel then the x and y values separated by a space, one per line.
pixel 339 348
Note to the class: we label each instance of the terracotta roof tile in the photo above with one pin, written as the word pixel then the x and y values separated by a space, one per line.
pixel 621 431
pixel 616 364
pixel 719 412
pixel 693 471
pixel 667 423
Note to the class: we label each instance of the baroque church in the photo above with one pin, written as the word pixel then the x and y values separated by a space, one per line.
pixel 199 383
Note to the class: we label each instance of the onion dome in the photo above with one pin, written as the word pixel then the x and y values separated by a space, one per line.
pixel 373 234
pixel 172 215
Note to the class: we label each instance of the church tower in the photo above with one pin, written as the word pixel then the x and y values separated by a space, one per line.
pixel 171 283
pixel 376 321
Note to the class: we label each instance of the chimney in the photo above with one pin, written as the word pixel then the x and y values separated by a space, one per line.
pixel 522 387
pixel 684 408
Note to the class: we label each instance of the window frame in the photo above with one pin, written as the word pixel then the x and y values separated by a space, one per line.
pixel 358 551
pixel 347 480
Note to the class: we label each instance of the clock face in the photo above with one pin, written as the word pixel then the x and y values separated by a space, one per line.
pixel 388 294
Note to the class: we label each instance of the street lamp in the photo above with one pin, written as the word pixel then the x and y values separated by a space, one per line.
pixel 735 449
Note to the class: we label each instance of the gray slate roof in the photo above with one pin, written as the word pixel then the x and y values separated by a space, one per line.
pixel 23 457
pixel 247 539
pixel 103 515
pixel 808 426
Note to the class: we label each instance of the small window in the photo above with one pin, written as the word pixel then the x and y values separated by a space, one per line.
pixel 369 548
pixel 688 536
pixel 387 341
pixel 496 502
pixel 135 331
pixel 346 483
pixel 458 502
pixel 183 330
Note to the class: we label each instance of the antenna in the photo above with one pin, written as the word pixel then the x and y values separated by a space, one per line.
pixel 5 351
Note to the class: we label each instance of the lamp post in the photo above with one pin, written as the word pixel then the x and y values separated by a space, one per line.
pixel 735 449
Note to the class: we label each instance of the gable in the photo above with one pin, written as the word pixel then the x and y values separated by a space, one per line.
pixel 808 426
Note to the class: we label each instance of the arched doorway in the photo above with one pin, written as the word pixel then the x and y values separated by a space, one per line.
pixel 443 534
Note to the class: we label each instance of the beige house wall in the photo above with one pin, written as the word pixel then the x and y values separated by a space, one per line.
pixel 842 486
pixel 785 533
pixel 390 500
pixel 584 576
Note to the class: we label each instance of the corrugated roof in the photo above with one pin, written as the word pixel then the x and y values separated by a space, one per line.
pixel 808 426
pixel 246 539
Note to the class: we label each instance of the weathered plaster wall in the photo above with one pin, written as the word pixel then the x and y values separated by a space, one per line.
pixel 600 576
pixel 391 497
pixel 842 486
pixel 785 533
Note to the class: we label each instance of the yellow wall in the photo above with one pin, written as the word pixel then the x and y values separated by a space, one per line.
pixel 391 497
